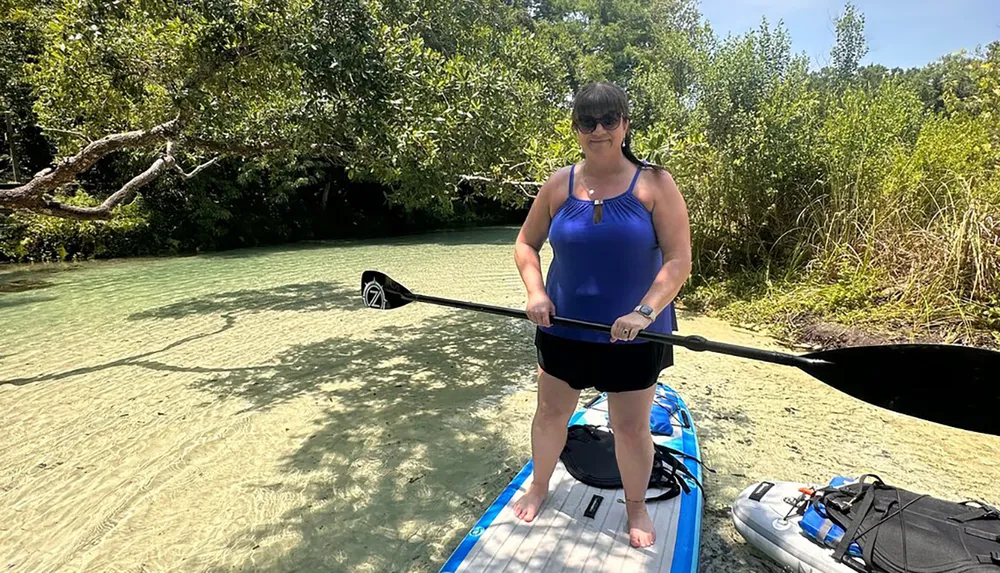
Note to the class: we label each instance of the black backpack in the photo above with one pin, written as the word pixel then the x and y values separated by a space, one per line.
pixel 903 532
pixel 589 456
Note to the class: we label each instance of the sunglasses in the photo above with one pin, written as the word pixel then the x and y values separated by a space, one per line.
pixel 587 123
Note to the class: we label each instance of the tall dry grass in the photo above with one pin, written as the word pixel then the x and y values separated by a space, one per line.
pixel 928 257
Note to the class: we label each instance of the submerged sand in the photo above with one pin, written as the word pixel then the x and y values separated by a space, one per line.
pixel 243 411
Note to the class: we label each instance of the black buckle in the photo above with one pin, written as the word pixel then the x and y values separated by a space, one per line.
pixel 760 490
pixel 595 502
pixel 840 505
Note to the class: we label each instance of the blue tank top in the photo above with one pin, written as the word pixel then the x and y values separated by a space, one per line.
pixel 600 271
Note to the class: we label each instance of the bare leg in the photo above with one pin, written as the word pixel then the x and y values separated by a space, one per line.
pixel 634 449
pixel 556 403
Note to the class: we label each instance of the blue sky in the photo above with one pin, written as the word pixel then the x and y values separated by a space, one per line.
pixel 903 33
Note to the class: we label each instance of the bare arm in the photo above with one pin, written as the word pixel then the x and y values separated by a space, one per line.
pixel 532 236
pixel 529 242
pixel 670 219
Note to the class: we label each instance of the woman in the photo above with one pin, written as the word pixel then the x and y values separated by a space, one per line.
pixel 621 246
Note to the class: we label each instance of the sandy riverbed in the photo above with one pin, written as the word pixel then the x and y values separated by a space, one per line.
pixel 243 411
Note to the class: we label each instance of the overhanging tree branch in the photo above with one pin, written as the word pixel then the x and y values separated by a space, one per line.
pixel 196 170
pixel 520 184
pixel 32 194
pixel 103 211
pixel 36 195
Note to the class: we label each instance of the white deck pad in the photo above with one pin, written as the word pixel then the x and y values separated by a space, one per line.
pixel 561 538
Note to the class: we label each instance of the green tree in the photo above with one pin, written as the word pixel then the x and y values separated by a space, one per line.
pixel 850 47
pixel 22 147
pixel 420 97
pixel 760 116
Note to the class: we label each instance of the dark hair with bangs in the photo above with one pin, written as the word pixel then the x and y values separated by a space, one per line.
pixel 597 99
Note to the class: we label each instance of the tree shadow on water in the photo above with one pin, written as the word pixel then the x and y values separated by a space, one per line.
pixel 21 301
pixel 314 296
pixel 19 281
pixel 399 451
pixel 18 278
pixel 304 297
pixel 23 285
pixel 132 360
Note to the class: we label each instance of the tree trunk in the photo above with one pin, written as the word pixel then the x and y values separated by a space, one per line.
pixel 12 146
pixel 326 194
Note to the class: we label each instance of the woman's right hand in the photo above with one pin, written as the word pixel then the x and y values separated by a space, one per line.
pixel 540 308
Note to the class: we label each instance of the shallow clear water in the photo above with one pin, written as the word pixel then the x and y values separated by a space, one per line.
pixel 244 410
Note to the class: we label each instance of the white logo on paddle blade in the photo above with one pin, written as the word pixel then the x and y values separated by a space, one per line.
pixel 374 295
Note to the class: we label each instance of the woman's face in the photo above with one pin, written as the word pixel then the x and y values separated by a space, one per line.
pixel 601 135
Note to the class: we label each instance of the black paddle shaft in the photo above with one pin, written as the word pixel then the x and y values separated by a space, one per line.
pixel 695 343
pixel 954 385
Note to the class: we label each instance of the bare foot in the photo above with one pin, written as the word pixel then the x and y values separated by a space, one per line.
pixel 527 506
pixel 640 526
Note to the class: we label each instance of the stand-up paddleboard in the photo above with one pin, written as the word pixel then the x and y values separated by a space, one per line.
pixel 764 514
pixel 583 528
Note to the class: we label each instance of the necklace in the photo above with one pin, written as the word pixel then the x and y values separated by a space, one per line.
pixel 591 190
pixel 598 203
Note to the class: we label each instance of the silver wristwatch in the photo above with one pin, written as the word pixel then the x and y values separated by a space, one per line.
pixel 646 310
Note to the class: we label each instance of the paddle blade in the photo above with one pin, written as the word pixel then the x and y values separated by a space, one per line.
pixel 957 386
pixel 381 292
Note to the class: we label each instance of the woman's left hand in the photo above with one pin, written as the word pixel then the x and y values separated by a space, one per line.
pixel 627 327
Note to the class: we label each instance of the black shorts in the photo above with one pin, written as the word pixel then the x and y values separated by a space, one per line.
pixel 606 367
